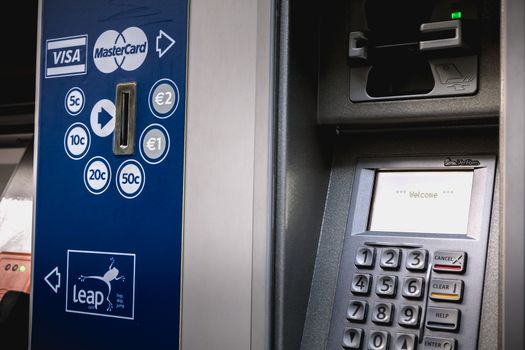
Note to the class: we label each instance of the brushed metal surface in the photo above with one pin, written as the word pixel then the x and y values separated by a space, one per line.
pixel 225 110
pixel 262 264
pixel 512 145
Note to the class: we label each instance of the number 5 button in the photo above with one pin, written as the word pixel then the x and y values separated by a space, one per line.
pixel 386 286
pixel 417 260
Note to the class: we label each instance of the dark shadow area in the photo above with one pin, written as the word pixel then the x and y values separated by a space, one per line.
pixel 14 320
pixel 18 26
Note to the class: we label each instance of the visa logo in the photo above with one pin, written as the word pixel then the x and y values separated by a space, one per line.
pixel 66 56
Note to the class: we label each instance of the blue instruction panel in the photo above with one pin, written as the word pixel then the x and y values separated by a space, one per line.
pixel 108 225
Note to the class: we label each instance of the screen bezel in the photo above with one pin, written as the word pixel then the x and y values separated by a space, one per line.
pixel 480 201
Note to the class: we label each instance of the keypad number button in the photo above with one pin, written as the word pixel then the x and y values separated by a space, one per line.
pixel 365 257
pixel 352 338
pixel 356 311
pixel 405 342
pixel 413 287
pixel 361 284
pixel 386 286
pixel 378 340
pixel 417 260
pixel 390 259
pixel 382 313
pixel 409 316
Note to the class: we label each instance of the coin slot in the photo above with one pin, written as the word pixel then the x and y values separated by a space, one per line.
pixel 125 119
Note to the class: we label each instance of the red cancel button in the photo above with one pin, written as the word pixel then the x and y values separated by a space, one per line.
pixel 445 261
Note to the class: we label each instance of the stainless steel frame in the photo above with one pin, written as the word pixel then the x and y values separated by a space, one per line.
pixel 512 148
pixel 226 284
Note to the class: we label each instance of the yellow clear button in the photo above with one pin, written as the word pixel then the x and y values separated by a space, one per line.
pixel 446 290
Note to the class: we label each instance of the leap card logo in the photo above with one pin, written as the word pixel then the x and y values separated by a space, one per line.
pixel 101 284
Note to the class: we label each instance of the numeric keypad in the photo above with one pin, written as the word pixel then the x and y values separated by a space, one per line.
pixel 388 287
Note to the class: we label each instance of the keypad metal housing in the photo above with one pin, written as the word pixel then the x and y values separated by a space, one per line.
pixel 473 243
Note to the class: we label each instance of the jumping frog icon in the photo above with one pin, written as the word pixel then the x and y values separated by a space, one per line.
pixel 109 276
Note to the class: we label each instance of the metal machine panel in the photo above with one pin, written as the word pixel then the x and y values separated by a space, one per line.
pixel 109 203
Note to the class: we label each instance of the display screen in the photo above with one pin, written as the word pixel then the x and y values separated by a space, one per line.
pixel 421 201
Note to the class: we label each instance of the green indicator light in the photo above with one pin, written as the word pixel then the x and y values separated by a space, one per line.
pixel 22 268
pixel 456 15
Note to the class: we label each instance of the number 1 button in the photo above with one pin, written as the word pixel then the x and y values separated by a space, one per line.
pixel 365 257
pixel 390 258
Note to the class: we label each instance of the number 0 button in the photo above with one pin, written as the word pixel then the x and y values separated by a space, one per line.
pixel 365 257
pixel 361 283
pixel 378 340
pixel 390 258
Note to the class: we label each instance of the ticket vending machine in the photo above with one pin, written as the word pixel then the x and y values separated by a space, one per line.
pixel 387 186
pixel 380 209
pixel 111 96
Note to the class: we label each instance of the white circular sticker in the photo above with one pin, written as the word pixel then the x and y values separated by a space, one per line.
pixel 77 141
pixel 102 118
pixel 154 144
pixel 126 50
pixel 74 101
pixel 97 175
pixel 130 179
pixel 163 98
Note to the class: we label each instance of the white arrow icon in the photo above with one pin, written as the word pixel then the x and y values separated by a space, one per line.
pixel 52 285
pixel 168 43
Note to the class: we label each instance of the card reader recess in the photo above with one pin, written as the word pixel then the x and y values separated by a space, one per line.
pixel 412 48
